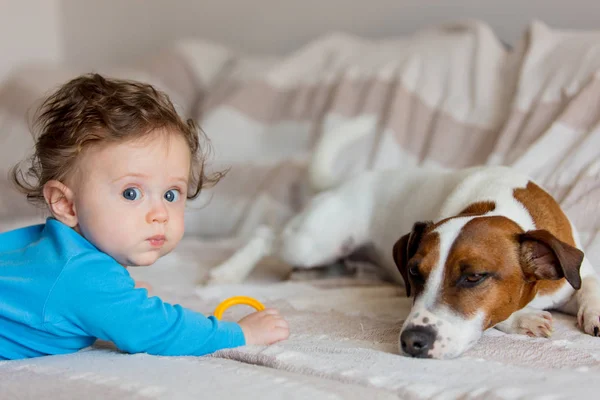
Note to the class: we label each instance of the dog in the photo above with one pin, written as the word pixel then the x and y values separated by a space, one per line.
pixel 500 253
pixel 476 248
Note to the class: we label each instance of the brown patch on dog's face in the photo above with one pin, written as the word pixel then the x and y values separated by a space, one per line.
pixel 419 266
pixel 483 273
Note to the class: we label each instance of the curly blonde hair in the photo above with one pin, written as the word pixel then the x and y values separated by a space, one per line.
pixel 92 109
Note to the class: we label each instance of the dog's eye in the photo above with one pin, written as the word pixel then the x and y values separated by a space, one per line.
pixel 414 269
pixel 414 273
pixel 472 280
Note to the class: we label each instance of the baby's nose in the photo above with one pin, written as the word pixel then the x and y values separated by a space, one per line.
pixel 159 214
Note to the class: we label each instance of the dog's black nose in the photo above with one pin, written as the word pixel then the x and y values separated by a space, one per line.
pixel 417 341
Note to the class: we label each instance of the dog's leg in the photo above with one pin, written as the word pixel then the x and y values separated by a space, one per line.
pixel 332 226
pixel 242 262
pixel 588 300
pixel 528 321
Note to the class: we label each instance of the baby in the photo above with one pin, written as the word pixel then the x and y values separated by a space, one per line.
pixel 114 163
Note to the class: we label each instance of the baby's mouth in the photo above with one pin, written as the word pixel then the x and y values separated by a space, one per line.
pixel 157 241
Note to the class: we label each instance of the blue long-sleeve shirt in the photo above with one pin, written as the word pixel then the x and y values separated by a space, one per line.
pixel 58 294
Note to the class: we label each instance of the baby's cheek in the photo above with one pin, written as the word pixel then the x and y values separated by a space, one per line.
pixel 177 226
pixel 174 237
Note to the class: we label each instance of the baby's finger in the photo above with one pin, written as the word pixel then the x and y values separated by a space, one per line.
pixel 270 311
pixel 284 333
pixel 280 322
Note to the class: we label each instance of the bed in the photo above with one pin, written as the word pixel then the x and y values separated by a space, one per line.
pixel 451 95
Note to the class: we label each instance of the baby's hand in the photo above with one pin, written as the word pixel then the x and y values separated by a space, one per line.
pixel 264 327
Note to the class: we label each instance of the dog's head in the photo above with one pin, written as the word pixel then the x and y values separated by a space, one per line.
pixel 469 273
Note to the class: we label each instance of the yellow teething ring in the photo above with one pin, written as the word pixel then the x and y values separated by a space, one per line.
pixel 232 301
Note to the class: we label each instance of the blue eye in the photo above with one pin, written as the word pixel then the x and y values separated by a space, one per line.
pixel 132 194
pixel 172 195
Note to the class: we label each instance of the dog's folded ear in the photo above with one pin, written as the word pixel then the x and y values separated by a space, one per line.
pixel 543 256
pixel 406 247
pixel 400 253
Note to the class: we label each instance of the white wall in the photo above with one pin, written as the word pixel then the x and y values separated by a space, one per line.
pixel 92 32
pixel 29 32
pixel 117 30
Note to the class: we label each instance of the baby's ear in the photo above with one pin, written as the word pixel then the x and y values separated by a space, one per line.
pixel 60 202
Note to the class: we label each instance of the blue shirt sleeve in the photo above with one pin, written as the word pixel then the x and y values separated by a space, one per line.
pixel 95 296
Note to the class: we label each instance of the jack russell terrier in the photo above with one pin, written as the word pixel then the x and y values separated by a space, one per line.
pixel 500 252
pixel 482 247
pixel 490 249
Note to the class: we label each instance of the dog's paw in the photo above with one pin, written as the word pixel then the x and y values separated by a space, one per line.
pixel 588 318
pixel 536 323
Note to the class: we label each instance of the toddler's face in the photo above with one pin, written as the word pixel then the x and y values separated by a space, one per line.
pixel 130 197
